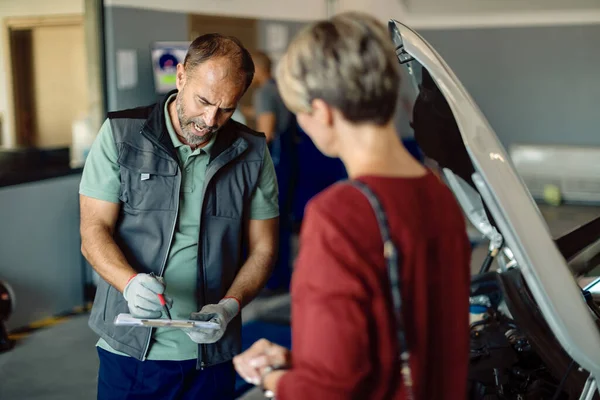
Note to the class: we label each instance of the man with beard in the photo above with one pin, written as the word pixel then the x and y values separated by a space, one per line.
pixel 171 197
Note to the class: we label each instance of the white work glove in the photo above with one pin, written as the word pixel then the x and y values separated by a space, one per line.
pixel 221 314
pixel 142 293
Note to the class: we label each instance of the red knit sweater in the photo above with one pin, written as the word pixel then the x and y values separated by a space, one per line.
pixel 343 333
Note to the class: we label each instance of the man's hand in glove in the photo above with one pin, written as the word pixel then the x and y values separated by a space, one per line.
pixel 221 314
pixel 141 294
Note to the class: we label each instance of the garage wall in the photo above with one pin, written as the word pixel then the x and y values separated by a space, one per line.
pixel 136 29
pixel 40 248
pixel 535 85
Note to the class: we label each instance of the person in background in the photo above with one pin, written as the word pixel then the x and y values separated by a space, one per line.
pixel 268 109
pixel 167 194
pixel 340 77
pixel 278 123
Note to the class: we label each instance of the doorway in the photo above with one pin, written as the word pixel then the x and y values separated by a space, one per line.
pixel 49 78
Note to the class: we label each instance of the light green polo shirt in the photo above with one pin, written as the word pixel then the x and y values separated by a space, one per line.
pixel 100 180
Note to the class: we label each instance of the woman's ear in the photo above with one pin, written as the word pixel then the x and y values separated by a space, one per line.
pixel 322 112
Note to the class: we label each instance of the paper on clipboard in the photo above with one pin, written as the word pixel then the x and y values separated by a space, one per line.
pixel 125 319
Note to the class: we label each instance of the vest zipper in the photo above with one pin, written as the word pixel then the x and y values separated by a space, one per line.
pixel 201 270
pixel 164 263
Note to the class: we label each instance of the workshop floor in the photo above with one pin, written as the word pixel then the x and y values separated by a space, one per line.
pixel 60 362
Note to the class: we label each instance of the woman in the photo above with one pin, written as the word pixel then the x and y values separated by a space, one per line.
pixel 341 77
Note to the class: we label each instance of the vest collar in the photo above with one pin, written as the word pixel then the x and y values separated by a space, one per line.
pixel 155 128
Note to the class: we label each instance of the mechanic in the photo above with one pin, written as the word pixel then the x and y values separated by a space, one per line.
pixel 171 197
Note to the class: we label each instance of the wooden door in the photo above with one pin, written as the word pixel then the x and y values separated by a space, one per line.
pixel 23 84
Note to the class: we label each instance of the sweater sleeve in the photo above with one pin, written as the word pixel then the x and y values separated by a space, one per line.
pixel 331 357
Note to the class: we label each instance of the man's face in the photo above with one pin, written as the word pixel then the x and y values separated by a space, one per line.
pixel 208 95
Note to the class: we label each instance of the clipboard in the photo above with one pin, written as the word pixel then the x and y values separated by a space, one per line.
pixel 125 319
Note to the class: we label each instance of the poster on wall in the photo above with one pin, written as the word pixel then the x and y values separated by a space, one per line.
pixel 126 69
pixel 165 57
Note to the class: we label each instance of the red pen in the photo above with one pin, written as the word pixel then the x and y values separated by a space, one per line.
pixel 163 302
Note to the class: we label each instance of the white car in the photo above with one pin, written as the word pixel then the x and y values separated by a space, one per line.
pixel 532 301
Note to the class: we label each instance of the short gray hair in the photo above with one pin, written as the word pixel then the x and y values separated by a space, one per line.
pixel 349 62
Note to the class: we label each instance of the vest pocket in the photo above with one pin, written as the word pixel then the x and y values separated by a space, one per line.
pixel 147 179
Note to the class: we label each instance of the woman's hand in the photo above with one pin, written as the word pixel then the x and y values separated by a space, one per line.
pixel 261 357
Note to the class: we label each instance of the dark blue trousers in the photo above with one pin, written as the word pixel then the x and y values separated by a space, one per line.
pixel 125 378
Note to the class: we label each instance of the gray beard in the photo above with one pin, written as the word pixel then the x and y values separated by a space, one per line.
pixel 187 128
pixel 193 139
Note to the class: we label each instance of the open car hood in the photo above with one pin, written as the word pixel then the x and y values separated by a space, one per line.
pixel 453 131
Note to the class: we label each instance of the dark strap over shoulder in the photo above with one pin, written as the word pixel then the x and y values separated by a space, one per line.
pixel 392 258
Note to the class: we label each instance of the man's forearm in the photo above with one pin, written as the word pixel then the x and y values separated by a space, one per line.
pixel 252 277
pixel 107 259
